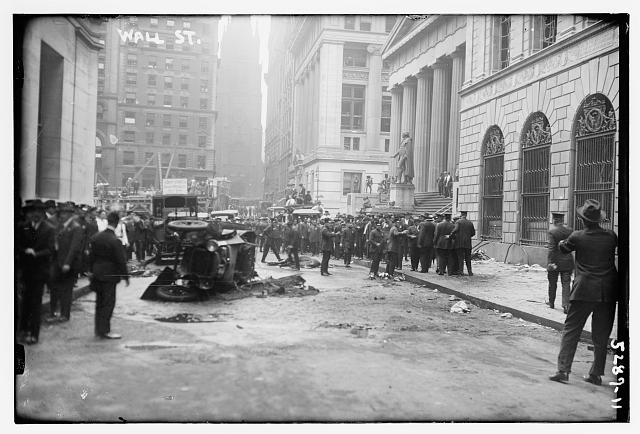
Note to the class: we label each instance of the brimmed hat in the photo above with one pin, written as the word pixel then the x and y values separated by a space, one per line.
pixel 66 207
pixel 591 211
pixel 50 204
pixel 33 205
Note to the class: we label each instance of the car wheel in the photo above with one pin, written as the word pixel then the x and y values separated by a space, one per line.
pixel 177 293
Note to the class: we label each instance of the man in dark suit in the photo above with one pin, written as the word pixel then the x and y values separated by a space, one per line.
pixel 462 233
pixel 412 239
pixel 292 243
pixel 68 260
pixel 328 236
pixel 558 263
pixel 376 247
pixel 270 242
pixel 36 244
pixel 347 241
pixel 426 233
pixel 595 291
pixel 393 246
pixel 108 266
pixel 444 246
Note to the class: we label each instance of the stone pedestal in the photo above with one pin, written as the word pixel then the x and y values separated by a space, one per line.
pixel 402 195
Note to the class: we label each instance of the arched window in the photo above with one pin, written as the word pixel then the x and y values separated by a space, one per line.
pixel 536 142
pixel 493 170
pixel 595 130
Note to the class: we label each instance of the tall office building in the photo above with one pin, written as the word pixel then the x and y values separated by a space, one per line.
pixel 239 128
pixel 156 99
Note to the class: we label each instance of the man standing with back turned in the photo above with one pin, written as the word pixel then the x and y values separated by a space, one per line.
pixel 595 291
pixel 108 266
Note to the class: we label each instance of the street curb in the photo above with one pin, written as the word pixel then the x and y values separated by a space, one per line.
pixel 484 304
pixel 77 293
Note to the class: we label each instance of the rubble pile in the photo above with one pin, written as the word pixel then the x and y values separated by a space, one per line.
pixel 289 286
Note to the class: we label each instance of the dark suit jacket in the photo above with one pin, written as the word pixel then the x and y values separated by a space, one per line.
pixel 42 241
pixel 107 259
pixel 443 228
pixel 462 234
pixel 69 241
pixel 564 261
pixel 596 275
pixel 425 237
pixel 327 239
pixel 412 236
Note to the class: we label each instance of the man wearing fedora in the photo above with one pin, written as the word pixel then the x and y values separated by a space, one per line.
pixel 426 232
pixel 444 246
pixel 558 263
pixel 594 292
pixel 462 234
pixel 36 244
pixel 68 260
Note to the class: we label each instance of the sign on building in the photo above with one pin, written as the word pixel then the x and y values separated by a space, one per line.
pixel 174 186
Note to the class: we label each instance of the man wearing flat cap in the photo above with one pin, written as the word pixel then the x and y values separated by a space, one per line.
pixel 36 246
pixel 594 292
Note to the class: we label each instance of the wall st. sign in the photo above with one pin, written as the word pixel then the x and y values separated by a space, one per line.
pixel 181 37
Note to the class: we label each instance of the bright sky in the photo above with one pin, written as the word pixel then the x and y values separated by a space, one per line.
pixel 261 24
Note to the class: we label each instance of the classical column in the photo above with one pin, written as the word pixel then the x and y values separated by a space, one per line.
pixel 438 134
pixel 423 126
pixel 396 123
pixel 457 76
pixel 408 107
pixel 374 99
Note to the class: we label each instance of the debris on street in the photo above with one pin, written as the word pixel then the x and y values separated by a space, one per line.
pixel 290 286
pixel 460 307
pixel 189 318
pixel 506 315
pixel 480 255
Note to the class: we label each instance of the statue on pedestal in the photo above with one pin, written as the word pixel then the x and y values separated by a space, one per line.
pixel 405 160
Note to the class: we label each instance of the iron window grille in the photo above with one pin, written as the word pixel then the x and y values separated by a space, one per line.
pixel 595 128
pixel 493 180
pixel 536 146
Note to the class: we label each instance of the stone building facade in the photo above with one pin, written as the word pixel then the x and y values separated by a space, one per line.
pixel 57 101
pixel 156 112
pixel 341 105
pixel 239 125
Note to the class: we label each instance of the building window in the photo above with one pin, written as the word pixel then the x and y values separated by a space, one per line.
pixel 182 122
pixel 132 60
pixel 385 114
pixel 595 152
pixel 149 139
pixel 171 23
pixel 202 161
pixel 535 142
pixel 186 24
pixel 151 80
pixel 166 139
pixel 128 158
pixel 202 141
pixel 387 142
pixel 544 30
pixel 389 22
pixel 101 67
pixel 182 139
pixel 501 40
pixel 168 82
pixel 165 159
pixel 184 85
pixel 204 103
pixel 168 45
pixel 354 57
pixel 352 143
pixel 100 112
pixel 184 101
pixel 365 23
pixel 351 182
pixel 182 161
pixel 202 123
pixel 185 66
pixel 153 21
pixel 204 86
pixel 166 121
pixel 151 99
pixel 132 79
pixel 129 136
pixel 152 62
pixel 352 107
pixel 168 64
pixel 167 101
pixel 129 118
pixel 130 98
pixel 350 22
pixel 204 66
pixel 148 156
pixel 493 175
pixel 151 119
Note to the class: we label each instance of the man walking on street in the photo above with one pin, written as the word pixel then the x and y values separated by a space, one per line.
pixel 444 246
pixel 108 266
pixel 595 291
pixel 558 263
pixel 426 232
pixel 462 233
pixel 269 242
pixel 327 246
pixel 68 260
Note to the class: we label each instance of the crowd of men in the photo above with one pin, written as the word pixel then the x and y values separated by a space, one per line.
pixel 420 240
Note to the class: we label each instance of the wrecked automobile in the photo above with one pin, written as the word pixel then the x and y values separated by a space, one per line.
pixel 208 258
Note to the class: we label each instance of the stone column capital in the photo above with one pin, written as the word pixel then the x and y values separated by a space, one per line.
pixel 440 64
pixel 410 81
pixel 374 49
pixel 458 52
pixel 397 89
pixel 424 73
